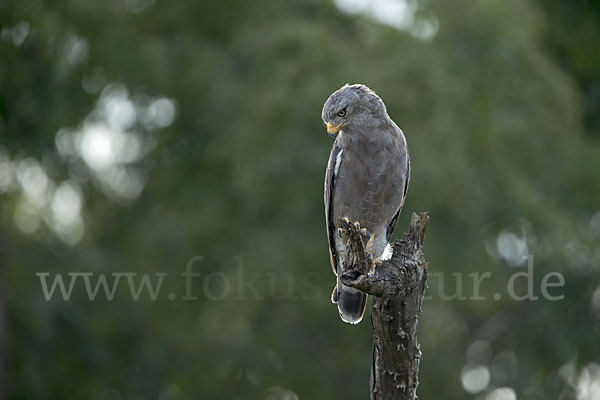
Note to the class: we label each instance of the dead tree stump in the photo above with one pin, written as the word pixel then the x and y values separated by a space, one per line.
pixel 397 286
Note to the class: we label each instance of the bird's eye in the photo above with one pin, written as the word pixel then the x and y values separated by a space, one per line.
pixel 342 113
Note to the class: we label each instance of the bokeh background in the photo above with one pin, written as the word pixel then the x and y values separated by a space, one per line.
pixel 136 135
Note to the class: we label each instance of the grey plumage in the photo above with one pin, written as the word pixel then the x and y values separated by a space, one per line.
pixel 366 180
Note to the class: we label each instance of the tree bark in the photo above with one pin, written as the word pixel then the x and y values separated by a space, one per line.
pixel 397 286
pixel 2 360
pixel 3 330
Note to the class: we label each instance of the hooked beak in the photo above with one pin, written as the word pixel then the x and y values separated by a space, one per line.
pixel 332 129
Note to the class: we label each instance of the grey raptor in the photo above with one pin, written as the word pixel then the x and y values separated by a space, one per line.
pixel 366 182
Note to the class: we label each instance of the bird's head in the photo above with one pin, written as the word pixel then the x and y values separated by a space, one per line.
pixel 351 106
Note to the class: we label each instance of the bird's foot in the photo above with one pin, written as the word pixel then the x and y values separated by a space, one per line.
pixel 355 239
pixel 371 261
pixel 364 232
pixel 366 235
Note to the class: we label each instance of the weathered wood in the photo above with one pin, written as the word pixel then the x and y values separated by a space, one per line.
pixel 397 286
pixel 3 381
pixel 3 329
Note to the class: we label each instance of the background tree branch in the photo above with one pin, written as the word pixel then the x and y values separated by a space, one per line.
pixel 397 287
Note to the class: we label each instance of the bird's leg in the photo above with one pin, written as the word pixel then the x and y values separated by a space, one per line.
pixel 365 234
pixel 355 238
pixel 372 262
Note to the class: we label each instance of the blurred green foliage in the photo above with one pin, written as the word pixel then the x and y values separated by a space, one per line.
pixel 221 153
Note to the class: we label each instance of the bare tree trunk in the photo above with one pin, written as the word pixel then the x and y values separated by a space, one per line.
pixel 397 287
pixel 2 360
pixel 4 381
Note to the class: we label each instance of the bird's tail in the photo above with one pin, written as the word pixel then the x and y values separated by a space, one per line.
pixel 351 303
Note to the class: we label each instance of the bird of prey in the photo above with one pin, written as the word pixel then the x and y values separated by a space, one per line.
pixel 365 182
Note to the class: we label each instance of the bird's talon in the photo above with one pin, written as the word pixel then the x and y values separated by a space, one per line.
pixel 365 232
pixel 371 261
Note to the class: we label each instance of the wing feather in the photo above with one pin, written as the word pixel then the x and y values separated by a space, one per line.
pixel 392 224
pixel 328 197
